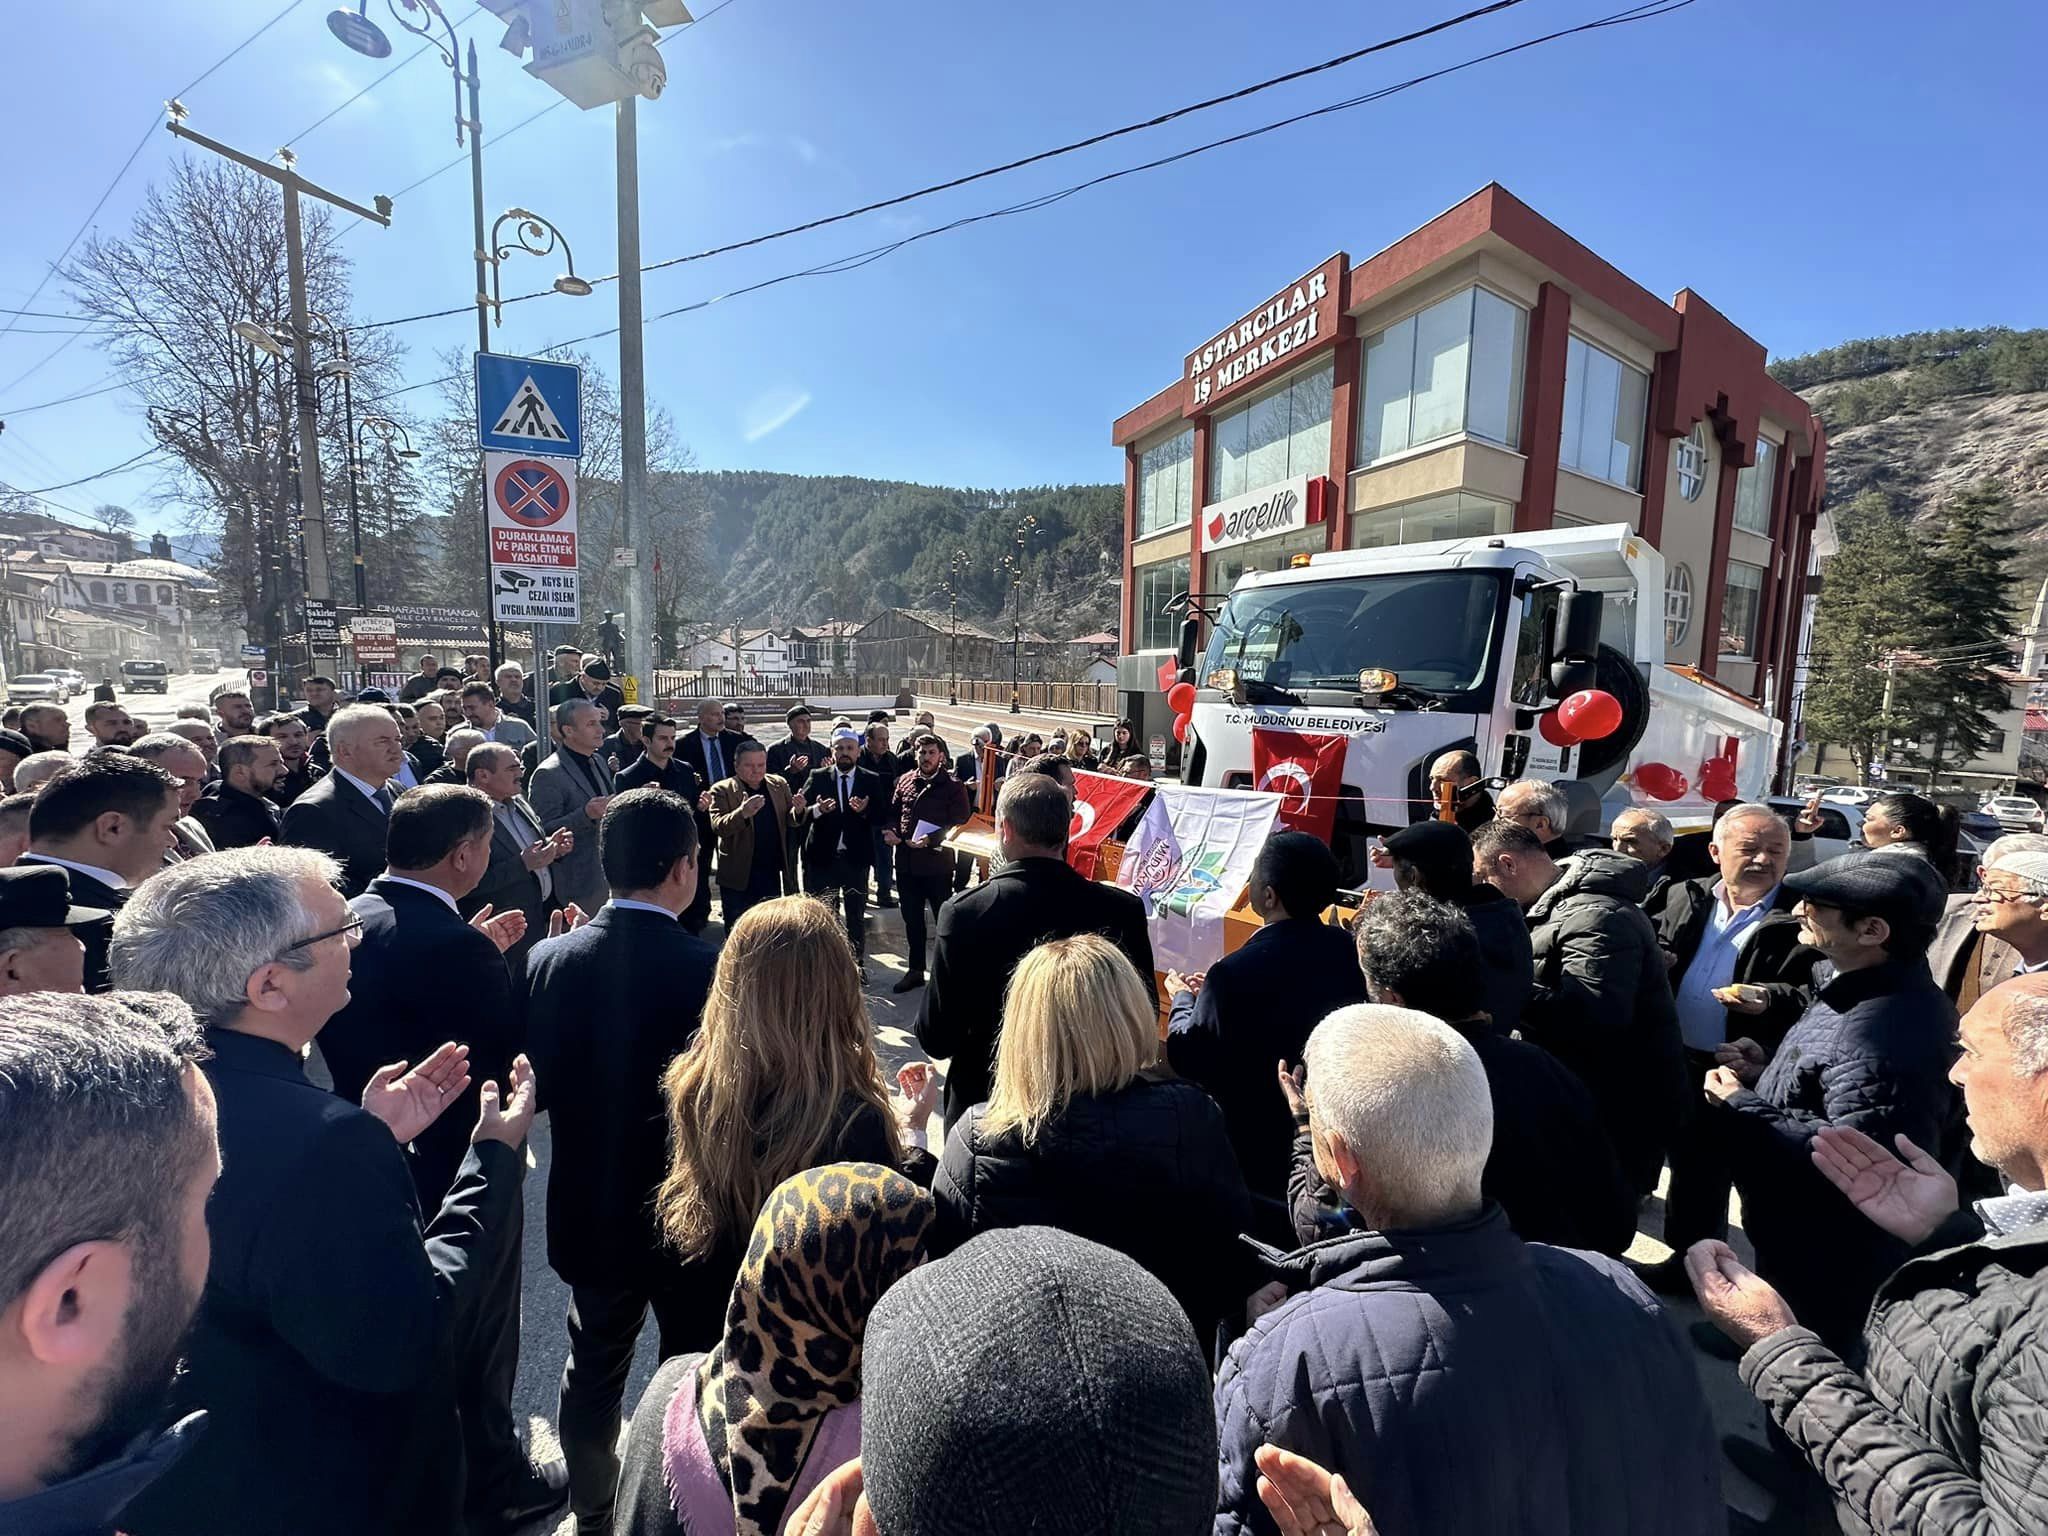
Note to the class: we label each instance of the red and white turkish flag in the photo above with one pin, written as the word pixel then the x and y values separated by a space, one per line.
pixel 1101 802
pixel 1305 771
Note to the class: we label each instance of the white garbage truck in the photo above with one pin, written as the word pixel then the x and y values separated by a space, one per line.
pixel 1413 650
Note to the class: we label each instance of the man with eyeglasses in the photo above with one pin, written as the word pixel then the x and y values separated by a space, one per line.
pixel 2008 919
pixel 422 976
pixel 331 1307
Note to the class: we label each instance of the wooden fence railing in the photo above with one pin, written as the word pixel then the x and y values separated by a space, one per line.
pixel 1054 698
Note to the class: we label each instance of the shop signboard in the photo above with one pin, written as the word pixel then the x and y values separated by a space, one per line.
pixel 1302 317
pixel 323 624
pixel 1286 506
pixel 375 638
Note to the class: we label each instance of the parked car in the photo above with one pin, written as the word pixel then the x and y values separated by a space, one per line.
pixel 1849 794
pixel 1841 826
pixel 72 679
pixel 2015 813
pixel 145 677
pixel 35 688
pixel 1981 825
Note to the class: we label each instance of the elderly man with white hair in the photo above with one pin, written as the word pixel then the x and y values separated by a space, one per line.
pixel 1646 836
pixel 1942 1426
pixel 2008 920
pixel 347 814
pixel 39 767
pixel 1459 1378
pixel 1541 807
pixel 1740 977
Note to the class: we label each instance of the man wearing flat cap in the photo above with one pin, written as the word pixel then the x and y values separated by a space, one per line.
pixel 40 950
pixel 1871 1054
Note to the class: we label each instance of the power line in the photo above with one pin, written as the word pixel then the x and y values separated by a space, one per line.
pixel 1039 156
pixel 100 474
pixel 855 260
pixel 428 47
pixel 44 405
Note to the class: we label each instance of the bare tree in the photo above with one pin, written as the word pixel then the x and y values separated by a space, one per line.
pixel 113 519
pixel 205 250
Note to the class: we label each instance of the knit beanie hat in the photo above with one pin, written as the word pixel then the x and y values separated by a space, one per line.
pixel 1036 1382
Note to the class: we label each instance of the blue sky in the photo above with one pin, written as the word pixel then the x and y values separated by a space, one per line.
pixel 1818 171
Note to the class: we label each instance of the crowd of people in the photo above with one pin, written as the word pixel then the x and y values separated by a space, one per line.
pixel 1329 1238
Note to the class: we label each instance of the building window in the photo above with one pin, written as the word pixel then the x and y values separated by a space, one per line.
pixel 1166 483
pixel 1454 368
pixel 1276 437
pixel 1605 401
pixel 1159 630
pixel 98 591
pixel 163 597
pixel 1753 487
pixel 1994 743
pixel 121 592
pixel 1455 515
pixel 1221 570
pixel 1742 606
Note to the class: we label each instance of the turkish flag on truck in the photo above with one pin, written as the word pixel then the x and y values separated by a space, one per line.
pixel 1101 802
pixel 1305 771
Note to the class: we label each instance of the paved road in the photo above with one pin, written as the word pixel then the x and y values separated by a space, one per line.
pixel 155 708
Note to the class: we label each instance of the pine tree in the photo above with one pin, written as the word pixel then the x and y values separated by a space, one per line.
pixel 1965 630
pixel 1870 606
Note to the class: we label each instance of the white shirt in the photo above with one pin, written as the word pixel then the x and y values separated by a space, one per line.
pixel 421 885
pixel 641 906
pixel 104 876
pixel 369 790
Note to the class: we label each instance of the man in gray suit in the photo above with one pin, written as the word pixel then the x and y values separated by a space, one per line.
pixel 570 789
pixel 520 877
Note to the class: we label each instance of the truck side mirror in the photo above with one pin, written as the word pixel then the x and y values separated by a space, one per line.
pixel 1576 651
pixel 1190 637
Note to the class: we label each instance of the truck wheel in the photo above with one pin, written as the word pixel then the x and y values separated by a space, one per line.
pixel 1601 762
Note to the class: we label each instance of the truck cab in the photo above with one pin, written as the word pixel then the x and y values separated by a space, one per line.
pixel 1420 649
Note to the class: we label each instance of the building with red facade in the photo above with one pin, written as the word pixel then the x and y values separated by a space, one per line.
pixel 1484 375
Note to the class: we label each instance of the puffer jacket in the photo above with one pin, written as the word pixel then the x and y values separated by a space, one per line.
pixel 1943 1430
pixel 1504 946
pixel 1603 1007
pixel 1872 1053
pixel 1464 1381
pixel 1147 1170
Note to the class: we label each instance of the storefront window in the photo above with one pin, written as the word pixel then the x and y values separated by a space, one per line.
pixel 1276 437
pixel 1221 570
pixel 1742 606
pixel 1605 401
pixel 1753 487
pixel 1166 483
pixel 1158 584
pixel 1456 515
pixel 1455 367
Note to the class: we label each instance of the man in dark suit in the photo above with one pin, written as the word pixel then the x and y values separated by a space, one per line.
pixel 609 1005
pixel 709 750
pixel 984 932
pixel 1229 1025
pixel 520 877
pixel 107 822
pixel 659 767
pixel 347 814
pixel 422 975
pixel 594 683
pixel 233 809
pixel 294 748
pixel 839 847
pixel 800 754
pixel 322 1348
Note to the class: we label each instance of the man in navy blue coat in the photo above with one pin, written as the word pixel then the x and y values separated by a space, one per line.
pixel 609 1005
pixel 1257 1004
pixel 1459 1378
pixel 422 976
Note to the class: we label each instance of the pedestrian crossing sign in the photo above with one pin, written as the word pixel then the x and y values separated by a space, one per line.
pixel 529 405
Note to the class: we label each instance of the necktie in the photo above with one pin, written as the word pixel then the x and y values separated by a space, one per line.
pixel 384 797
pixel 845 794
pixel 711 756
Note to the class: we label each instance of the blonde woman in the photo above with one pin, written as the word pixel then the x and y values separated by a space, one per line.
pixel 780 1077
pixel 1086 1132
pixel 1080 745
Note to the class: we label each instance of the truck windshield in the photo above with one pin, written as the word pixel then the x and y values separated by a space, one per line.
pixel 1432 628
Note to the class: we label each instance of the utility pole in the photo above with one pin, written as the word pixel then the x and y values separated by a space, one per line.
pixel 635 525
pixel 312 516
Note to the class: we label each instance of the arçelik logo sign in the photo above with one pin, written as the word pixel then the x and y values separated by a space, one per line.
pixel 1274 514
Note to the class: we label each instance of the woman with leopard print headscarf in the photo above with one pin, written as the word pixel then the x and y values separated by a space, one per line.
pixel 728 1443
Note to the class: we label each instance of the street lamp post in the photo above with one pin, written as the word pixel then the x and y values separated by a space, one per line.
pixel 386 429
pixel 537 237
pixel 959 563
pixel 1025 529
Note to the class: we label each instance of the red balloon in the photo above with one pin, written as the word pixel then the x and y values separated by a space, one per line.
pixel 1180 728
pixel 1180 698
pixel 1592 713
pixel 1660 781
pixel 1717 779
pixel 1555 731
